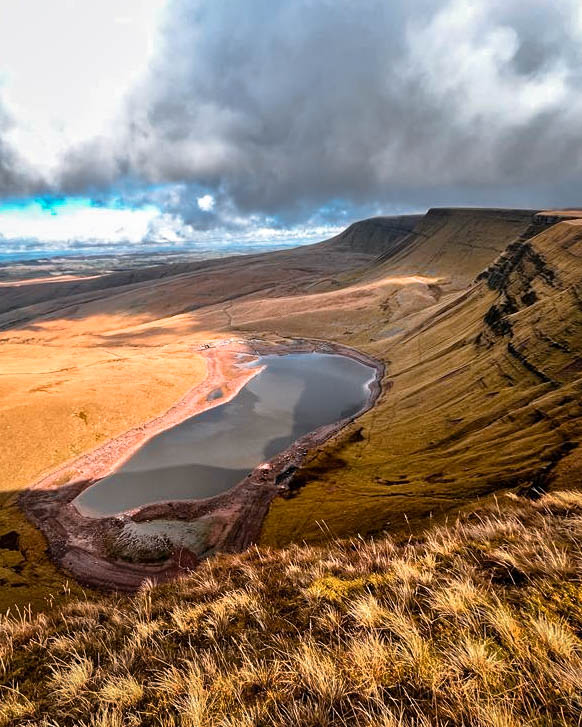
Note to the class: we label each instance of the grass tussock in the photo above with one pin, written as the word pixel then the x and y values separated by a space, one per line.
pixel 476 624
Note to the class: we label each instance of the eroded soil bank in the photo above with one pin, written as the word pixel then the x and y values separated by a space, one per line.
pixel 100 551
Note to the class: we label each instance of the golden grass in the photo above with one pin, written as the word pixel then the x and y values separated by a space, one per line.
pixel 70 676
pixel 122 691
pixel 61 398
pixel 14 706
pixel 449 630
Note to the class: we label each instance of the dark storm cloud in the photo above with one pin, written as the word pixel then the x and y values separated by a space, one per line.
pixel 16 178
pixel 279 106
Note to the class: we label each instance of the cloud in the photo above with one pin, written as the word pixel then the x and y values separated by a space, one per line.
pixel 206 202
pixel 285 106
pixel 16 176
pixel 275 109
pixel 79 220
pixel 64 225
pixel 65 68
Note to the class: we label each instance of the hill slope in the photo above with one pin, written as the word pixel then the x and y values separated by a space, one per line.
pixel 484 391
pixel 468 408
pixel 377 235
pixel 476 624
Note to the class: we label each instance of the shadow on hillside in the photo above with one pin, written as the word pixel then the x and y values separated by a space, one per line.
pixel 173 288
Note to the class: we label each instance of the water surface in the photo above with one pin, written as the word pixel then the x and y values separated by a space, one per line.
pixel 212 451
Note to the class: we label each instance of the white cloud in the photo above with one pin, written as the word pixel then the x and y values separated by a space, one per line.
pixel 465 53
pixel 169 228
pixel 65 67
pixel 206 203
pixel 77 221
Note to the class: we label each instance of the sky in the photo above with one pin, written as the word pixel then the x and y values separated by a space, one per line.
pixel 141 122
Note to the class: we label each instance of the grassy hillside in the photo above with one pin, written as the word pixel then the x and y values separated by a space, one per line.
pixel 480 394
pixel 475 624
pixel 83 361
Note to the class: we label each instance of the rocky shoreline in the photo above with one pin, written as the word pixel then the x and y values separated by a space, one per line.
pixel 232 520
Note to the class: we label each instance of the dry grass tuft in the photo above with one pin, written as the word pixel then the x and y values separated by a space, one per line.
pixel 70 678
pixel 556 637
pixel 457 598
pixel 122 691
pixel 14 706
pixel 476 659
pixel 477 624
pixel 368 612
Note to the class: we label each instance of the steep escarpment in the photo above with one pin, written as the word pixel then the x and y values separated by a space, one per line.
pixel 458 243
pixel 538 317
pixel 378 235
pixel 484 396
pixel 384 297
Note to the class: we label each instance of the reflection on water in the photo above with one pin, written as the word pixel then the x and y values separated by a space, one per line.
pixel 210 452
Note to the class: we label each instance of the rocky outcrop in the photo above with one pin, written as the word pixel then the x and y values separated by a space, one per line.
pixel 536 319
pixel 512 275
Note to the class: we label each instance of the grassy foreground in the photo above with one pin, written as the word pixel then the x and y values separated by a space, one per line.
pixel 477 623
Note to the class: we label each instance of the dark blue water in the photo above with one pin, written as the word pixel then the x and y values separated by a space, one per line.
pixel 211 452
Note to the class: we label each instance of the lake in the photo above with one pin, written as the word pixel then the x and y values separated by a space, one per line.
pixel 211 452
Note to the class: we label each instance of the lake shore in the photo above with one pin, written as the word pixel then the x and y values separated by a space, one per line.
pixel 232 520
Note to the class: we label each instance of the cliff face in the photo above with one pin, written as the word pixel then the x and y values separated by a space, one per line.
pixel 537 317
pixel 538 309
pixel 512 275
pixel 483 388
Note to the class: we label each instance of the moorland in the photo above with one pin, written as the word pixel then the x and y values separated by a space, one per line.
pixel 435 539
